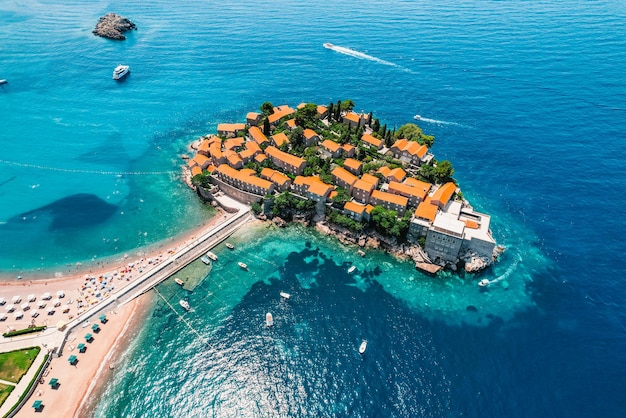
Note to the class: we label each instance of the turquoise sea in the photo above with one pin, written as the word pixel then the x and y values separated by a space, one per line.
pixel 527 99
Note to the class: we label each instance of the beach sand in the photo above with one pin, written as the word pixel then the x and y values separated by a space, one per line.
pixel 78 383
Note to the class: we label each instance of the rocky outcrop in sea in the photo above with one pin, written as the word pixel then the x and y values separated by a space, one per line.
pixel 113 26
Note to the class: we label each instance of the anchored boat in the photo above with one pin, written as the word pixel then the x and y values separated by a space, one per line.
pixel 184 304
pixel 120 72
pixel 269 319
pixel 211 255
pixel 178 281
pixel 243 265
pixel 363 347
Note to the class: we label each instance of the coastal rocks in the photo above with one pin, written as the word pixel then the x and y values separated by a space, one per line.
pixel 113 26
pixel 476 264
pixel 279 222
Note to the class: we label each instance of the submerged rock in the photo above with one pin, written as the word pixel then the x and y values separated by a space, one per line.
pixel 113 26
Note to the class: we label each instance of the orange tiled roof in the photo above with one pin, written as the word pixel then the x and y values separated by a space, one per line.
pixel 389 197
pixel 247 153
pixel 191 163
pixel 411 147
pixel 280 139
pixel 354 207
pixel 213 139
pixel 333 194
pixel 247 172
pixel 233 143
pixel 397 174
pixel 344 175
pixel 279 178
pixel 319 188
pixel 321 109
pixel 371 140
pixel 284 156
pixel 309 133
pixel 368 178
pixel 406 190
pixel 195 170
pixel 252 115
pixel 471 224
pixel 444 193
pixel 231 127
pixel 204 146
pixel 352 117
pixel 352 163
pixel 291 123
pixel 331 145
pixel 253 146
pixel 279 113
pixel 243 177
pixel 301 105
pixel 369 208
pixel 259 158
pixel 426 210
pixel 256 135
pixel 210 168
pixel 364 185
pixel 348 147
pixel 418 184
pixel 384 170
pixel 233 159
pixel 200 159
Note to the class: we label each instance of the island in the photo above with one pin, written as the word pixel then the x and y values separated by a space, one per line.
pixel 113 26
pixel 351 177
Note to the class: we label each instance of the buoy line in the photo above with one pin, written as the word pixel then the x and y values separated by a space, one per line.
pixel 70 170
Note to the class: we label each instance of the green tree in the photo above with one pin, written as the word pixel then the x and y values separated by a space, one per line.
pixel 338 111
pixel 389 139
pixel 306 116
pixel 369 120
pixel 383 131
pixel 267 108
pixel 202 180
pixel 376 125
pixel 331 110
pixel 410 131
pixel 256 208
pixel 266 127
pixel 347 105
pixel 443 171
pixel 341 197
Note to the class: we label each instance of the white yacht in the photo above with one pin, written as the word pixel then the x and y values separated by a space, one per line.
pixel 178 281
pixel 120 72
pixel 417 117
pixel 269 319
pixel 363 347
pixel 230 246
pixel 205 260
pixel 328 45
pixel 184 304
pixel 285 295
pixel 484 283
pixel 211 255
pixel 243 265
pixel 351 269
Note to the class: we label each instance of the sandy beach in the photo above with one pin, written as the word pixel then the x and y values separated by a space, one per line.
pixel 78 383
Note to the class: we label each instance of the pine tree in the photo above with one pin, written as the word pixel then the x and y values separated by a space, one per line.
pixel 266 127
pixel 331 110
pixel 369 120
pixel 338 111
pixel 383 131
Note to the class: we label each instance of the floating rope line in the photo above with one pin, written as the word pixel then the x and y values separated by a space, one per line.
pixel 108 173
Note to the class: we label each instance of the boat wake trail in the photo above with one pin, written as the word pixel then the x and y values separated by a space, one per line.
pixel 436 121
pixel 361 55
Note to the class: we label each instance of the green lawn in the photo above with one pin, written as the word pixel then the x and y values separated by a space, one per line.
pixel 14 364
pixel 5 391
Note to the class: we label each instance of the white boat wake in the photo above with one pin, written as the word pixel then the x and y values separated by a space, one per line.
pixel 436 121
pixel 361 55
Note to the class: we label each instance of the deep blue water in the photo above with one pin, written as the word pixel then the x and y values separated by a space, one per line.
pixel 527 99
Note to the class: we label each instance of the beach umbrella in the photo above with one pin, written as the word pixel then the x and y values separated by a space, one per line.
pixel 56 302
pixel 2 301
pixel 46 296
pixel 18 314
pixel 25 306
pixel 16 299
pixel 60 293
pixel 37 404
pixel 31 298
pixel 3 316
pixel 65 308
pixel 10 308
pixel 35 313
pixel 53 382
pixel 42 304
pixel 50 311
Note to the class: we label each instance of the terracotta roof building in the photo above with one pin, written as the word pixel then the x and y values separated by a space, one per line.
pixel 331 149
pixel 257 136
pixel 230 129
pixel 253 118
pixel 389 201
pixel 343 178
pixel 354 210
pixel 414 194
pixel 281 181
pixel 310 137
pixel 409 152
pixel 243 181
pixel 289 163
pixel 280 112
pixel 362 190
pixel 442 195
pixel 372 142
pixel 279 139
pixel 353 166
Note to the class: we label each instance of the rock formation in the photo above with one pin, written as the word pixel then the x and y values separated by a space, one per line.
pixel 113 26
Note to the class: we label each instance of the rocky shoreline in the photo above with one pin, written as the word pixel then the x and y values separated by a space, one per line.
pixel 113 26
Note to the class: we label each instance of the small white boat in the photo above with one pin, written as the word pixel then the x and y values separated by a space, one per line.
pixel 211 255
pixel 184 304
pixel 285 295
pixel 363 347
pixel 3 81
pixel 361 253
pixel 205 260
pixel 328 45
pixel 243 265
pixel 484 283
pixel 120 72
pixel 269 319
pixel 417 117
pixel 178 281
pixel 229 246
pixel 351 269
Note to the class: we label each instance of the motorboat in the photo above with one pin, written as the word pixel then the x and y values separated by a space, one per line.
pixel 230 246
pixel 205 260
pixel 120 72
pixel 3 81
pixel 285 295
pixel 328 45
pixel 242 265
pixel 484 283
pixel 363 347
pixel 351 269
pixel 361 253
pixel 417 117
pixel 211 255
pixel 269 319
pixel 178 281
pixel 184 304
